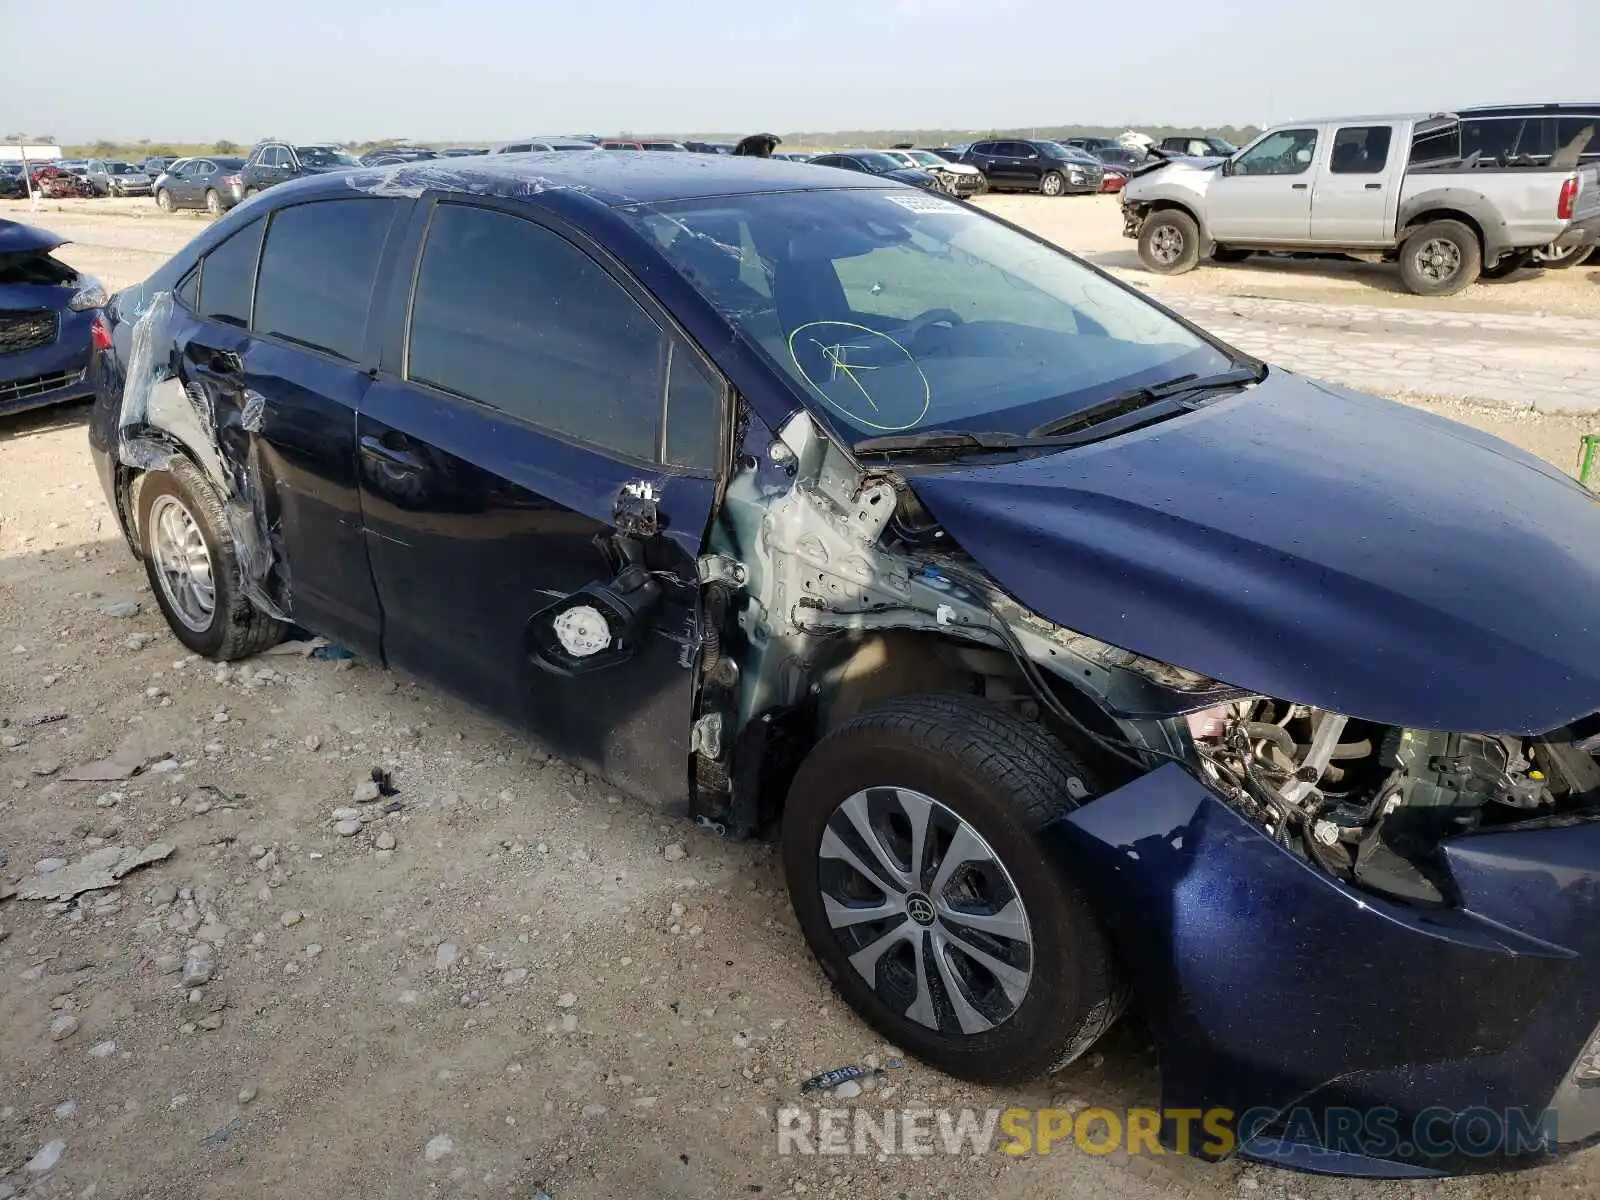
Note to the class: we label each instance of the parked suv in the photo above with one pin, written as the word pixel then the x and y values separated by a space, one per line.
pixel 109 178
pixel 1036 166
pixel 272 163
pixel 1519 134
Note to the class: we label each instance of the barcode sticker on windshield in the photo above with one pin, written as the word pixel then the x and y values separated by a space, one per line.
pixel 924 204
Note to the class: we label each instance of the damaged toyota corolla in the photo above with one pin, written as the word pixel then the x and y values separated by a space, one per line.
pixel 1074 657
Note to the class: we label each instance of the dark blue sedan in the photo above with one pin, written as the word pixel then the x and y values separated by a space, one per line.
pixel 47 317
pixel 1073 656
pixel 876 162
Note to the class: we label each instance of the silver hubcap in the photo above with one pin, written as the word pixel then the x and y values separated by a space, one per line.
pixel 1167 245
pixel 1552 254
pixel 925 910
pixel 1052 185
pixel 1439 259
pixel 183 564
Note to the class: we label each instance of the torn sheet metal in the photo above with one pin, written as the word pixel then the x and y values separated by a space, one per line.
pixel 92 873
pixel 162 416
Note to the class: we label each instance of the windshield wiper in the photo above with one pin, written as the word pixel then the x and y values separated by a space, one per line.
pixel 1137 398
pixel 954 440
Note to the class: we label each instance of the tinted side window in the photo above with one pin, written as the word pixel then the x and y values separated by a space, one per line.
pixel 189 288
pixel 694 414
pixel 228 274
pixel 1569 129
pixel 315 284
pixel 1538 136
pixel 1361 150
pixel 1494 139
pixel 519 149
pixel 511 315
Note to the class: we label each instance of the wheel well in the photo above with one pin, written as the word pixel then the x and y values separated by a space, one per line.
pixel 1158 206
pixel 1443 214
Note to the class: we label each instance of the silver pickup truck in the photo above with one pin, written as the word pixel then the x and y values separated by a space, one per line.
pixel 1385 188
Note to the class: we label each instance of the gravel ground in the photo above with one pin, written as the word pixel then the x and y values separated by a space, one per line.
pixel 501 979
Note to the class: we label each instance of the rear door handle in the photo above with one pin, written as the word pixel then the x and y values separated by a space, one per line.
pixel 1374 187
pixel 392 448
pixel 1300 187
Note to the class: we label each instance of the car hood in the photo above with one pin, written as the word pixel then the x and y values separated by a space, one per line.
pixel 17 238
pixel 1314 545
pixel 914 175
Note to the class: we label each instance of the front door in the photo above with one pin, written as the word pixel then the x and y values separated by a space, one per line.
pixel 539 461
pixel 1349 202
pixel 1263 195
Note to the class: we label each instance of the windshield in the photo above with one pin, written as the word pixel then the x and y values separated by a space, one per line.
pixel 1222 146
pixel 116 168
pixel 926 158
pixel 1057 150
pixel 324 156
pixel 897 311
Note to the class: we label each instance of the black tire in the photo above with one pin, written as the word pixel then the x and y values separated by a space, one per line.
pixel 1005 778
pixel 1559 260
pixel 213 202
pixel 1594 258
pixel 164 200
pixel 1510 264
pixel 1450 239
pixel 237 629
pixel 1229 254
pixel 1169 242
pixel 1053 184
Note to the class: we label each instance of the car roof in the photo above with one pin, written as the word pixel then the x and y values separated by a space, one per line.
pixel 1526 110
pixel 614 180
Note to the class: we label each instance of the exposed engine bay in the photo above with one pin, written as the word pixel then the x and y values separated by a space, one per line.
pixel 1371 803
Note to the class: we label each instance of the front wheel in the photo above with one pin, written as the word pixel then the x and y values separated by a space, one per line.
pixel 1052 184
pixel 910 845
pixel 164 200
pixel 193 566
pixel 1169 242
pixel 1441 259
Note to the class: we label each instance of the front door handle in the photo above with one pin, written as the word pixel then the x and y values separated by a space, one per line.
pixel 1300 187
pixel 1374 187
pixel 392 449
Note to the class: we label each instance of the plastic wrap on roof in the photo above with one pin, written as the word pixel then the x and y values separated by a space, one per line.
pixel 163 417
pixel 413 179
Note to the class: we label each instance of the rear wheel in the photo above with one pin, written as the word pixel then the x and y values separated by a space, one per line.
pixel 193 566
pixel 164 200
pixel 911 852
pixel 1441 259
pixel 1554 258
pixel 1169 242
pixel 213 203
pixel 1052 184
pixel 250 191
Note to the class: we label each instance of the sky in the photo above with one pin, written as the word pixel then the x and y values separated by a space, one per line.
pixel 481 70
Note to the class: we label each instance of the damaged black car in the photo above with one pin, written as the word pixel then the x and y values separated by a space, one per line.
pixel 1075 658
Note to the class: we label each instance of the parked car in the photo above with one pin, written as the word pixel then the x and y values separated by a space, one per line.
pixel 793 155
pixel 709 147
pixel 215 183
pixel 1195 146
pixel 391 155
pixel 1070 653
pixel 952 153
pixel 461 152
pixel 111 178
pixel 1120 164
pixel 540 145
pixel 272 163
pixel 53 182
pixel 1397 187
pixel 1519 134
pixel 48 317
pixel 77 166
pixel 157 163
pixel 879 162
pixel 958 179
pixel 13 183
pixel 627 144
pixel 1092 145
pixel 1036 166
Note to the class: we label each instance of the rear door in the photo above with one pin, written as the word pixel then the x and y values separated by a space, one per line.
pixel 1263 195
pixel 1350 202
pixel 530 401
pixel 282 356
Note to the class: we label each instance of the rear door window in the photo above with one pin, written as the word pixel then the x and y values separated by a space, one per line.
pixel 1538 138
pixel 1569 129
pixel 515 317
pixel 227 276
pixel 1361 150
pixel 317 272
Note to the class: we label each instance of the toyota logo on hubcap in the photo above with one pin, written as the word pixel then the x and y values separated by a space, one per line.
pixel 920 909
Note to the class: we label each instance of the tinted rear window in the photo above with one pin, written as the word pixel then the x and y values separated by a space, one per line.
pixel 317 272
pixel 227 277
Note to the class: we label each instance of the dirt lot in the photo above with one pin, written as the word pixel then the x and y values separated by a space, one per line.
pixel 509 979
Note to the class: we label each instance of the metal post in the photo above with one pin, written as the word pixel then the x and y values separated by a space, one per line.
pixel 1586 456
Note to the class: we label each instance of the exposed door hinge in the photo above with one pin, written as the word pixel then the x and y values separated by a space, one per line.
pixel 719 568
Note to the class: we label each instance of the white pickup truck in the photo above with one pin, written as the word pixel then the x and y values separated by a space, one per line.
pixel 1385 188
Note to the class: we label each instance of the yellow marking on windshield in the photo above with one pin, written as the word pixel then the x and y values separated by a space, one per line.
pixel 834 354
